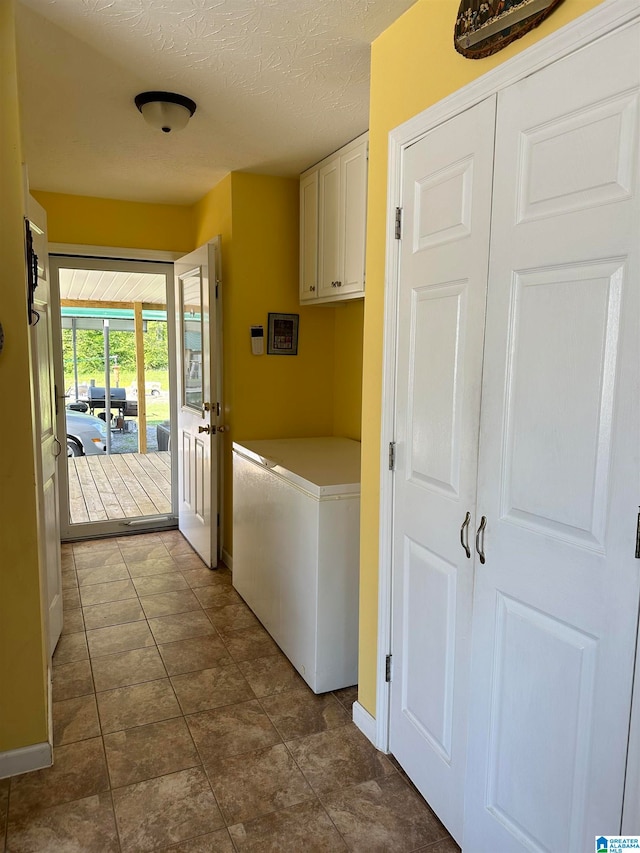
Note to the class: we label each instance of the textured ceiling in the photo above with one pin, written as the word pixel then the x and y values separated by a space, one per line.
pixel 278 83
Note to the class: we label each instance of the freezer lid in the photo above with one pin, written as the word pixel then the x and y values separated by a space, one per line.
pixel 323 466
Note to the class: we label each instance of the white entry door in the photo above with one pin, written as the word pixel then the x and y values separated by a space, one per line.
pixel 443 283
pixel 47 444
pixel 198 404
pixel 556 603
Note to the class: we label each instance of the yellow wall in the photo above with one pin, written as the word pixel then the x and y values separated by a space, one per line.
pixel 413 66
pixel 274 396
pixel 122 224
pixel 347 374
pixel 265 396
pixel 23 695
pixel 213 216
pixel 316 393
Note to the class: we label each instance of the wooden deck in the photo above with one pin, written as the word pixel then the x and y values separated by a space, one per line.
pixel 124 485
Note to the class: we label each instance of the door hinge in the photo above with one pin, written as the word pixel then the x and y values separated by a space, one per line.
pixel 387 669
pixel 218 409
pixel 638 537
pixel 392 455
pixel 217 286
pixel 398 223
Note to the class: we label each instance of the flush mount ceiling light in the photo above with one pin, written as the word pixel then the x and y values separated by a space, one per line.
pixel 165 110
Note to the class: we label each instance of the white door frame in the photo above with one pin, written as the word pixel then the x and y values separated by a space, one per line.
pixel 109 259
pixel 605 18
pixel 47 462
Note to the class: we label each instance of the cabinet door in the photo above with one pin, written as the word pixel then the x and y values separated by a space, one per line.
pixel 309 237
pixel 353 226
pixel 329 228
pixel 443 282
pixel 556 603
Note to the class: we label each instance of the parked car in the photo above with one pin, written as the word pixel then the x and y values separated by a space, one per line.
pixel 150 388
pixel 86 435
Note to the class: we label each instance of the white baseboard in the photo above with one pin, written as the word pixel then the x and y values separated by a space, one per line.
pixel 27 758
pixel 365 722
pixel 227 559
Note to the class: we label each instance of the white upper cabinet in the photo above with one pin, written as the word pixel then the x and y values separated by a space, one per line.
pixel 309 236
pixel 333 222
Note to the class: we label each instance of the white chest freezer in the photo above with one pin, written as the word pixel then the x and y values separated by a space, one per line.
pixel 296 528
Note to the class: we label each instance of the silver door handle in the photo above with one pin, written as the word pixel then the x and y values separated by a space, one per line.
pixel 222 428
pixel 479 536
pixel 464 535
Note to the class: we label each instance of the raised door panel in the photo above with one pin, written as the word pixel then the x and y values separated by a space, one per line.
pixel 329 228
pixel 201 481
pixel 444 201
pixel 527 726
pixel 353 207
pixel 556 603
pixel 187 497
pixel 443 279
pixel 429 625
pixel 435 393
pixel 309 237
pixel 560 400
pixel 578 161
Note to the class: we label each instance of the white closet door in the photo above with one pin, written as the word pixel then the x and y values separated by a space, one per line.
pixel 443 281
pixel 556 603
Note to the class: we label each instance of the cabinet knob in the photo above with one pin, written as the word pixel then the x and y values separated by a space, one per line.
pixel 312 288
pixel 338 284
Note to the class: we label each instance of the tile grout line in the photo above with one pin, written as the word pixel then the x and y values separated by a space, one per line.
pixel 102 734
pixel 183 716
pixel 221 636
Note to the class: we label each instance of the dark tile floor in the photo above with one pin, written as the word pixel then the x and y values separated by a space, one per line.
pixel 179 725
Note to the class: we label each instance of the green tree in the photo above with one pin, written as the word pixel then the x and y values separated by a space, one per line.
pixel 122 350
pixel 156 345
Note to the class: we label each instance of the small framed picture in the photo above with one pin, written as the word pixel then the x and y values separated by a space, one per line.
pixel 282 338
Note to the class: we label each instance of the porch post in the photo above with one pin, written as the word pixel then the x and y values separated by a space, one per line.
pixel 140 378
pixel 74 345
pixel 107 384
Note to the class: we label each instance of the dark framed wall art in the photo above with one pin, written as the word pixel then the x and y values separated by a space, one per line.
pixel 282 336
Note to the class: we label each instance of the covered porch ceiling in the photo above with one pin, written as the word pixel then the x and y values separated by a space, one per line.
pixel 88 287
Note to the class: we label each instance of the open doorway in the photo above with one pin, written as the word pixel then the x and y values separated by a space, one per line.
pixel 115 375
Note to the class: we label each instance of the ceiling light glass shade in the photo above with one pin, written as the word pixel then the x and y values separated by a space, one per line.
pixel 165 111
